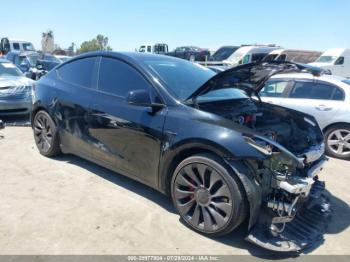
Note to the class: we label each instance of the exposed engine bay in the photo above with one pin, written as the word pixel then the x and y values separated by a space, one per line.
pixel 273 122
pixel 293 145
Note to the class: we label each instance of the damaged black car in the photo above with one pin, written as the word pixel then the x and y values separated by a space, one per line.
pixel 206 140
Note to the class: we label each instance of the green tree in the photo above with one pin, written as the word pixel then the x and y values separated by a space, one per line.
pixel 96 44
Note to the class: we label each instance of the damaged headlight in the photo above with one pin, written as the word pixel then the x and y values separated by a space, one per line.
pixel 259 144
pixel 268 147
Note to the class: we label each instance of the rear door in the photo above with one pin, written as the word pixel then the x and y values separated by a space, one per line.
pixel 317 98
pixel 73 92
pixel 127 137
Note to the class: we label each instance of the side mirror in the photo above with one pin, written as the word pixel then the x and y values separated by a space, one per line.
pixel 141 97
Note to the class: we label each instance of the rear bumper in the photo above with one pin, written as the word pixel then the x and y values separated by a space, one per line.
pixel 15 107
pixel 305 229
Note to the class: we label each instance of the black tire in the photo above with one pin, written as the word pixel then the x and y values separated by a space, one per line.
pixel 219 195
pixel 192 58
pixel 46 135
pixel 337 140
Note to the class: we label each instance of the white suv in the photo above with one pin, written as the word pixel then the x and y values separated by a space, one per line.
pixel 326 97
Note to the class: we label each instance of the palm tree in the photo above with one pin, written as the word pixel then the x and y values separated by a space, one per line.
pixel 47 41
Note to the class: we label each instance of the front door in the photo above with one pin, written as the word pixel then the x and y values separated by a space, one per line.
pixel 275 91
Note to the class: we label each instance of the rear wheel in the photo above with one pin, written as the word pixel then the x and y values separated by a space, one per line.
pixel 45 134
pixel 338 141
pixel 207 196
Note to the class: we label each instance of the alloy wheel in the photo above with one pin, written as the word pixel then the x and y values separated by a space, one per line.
pixel 339 142
pixel 202 197
pixel 43 132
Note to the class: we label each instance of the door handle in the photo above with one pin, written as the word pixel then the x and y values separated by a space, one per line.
pixel 323 108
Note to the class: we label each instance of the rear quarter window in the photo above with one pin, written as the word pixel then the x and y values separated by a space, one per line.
pixel 78 72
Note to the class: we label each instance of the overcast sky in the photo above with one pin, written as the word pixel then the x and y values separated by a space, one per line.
pixel 311 24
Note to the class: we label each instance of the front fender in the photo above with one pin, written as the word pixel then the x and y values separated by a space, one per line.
pixel 195 131
pixel 252 189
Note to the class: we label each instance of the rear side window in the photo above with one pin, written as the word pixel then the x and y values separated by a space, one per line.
pixel 312 90
pixel 79 72
pixel 303 90
pixel 274 88
pixel 119 78
pixel 16 46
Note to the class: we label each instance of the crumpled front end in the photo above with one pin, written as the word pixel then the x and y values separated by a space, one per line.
pixel 295 208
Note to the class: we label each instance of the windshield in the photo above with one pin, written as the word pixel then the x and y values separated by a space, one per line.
pixel 28 47
pixel 8 69
pixel 326 59
pixel 223 94
pixel 180 76
pixel 63 58
pixel 51 58
pixel 270 57
pixel 347 82
pixel 223 53
pixel 33 59
pixel 236 57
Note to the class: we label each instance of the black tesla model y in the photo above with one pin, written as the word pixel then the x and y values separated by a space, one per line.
pixel 205 139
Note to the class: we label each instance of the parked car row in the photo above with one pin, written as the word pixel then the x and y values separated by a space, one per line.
pixel 15 90
pixel 336 61
pixel 19 66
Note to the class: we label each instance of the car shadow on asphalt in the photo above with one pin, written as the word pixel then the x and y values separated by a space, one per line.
pixel 22 120
pixel 122 181
pixel 339 222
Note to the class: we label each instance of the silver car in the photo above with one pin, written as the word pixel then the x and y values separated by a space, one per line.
pixel 15 90
pixel 325 97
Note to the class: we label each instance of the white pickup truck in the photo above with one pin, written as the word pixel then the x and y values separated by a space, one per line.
pixel 336 60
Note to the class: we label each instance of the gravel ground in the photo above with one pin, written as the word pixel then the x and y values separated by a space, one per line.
pixel 70 206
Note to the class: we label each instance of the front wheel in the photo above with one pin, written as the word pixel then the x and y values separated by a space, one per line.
pixel 207 196
pixel 192 58
pixel 338 141
pixel 45 134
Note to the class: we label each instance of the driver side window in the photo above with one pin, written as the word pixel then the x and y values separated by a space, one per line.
pixel 118 78
pixel 340 61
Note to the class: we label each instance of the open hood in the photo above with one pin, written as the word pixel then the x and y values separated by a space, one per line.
pixel 251 77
